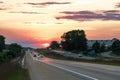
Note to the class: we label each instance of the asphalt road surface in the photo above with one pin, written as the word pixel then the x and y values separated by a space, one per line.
pixel 52 69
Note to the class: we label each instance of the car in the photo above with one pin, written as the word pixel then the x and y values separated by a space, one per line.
pixel 35 55
pixel 40 57
pixel 80 55
pixel 69 53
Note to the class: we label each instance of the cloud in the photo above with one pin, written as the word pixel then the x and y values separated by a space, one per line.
pixel 3 8
pixel 1 2
pixel 90 15
pixel 27 22
pixel 35 23
pixel 27 12
pixel 47 3
pixel 59 23
pixel 117 5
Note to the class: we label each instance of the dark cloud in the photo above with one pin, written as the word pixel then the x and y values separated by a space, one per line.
pixel 111 11
pixel 90 15
pixel 117 5
pixel 25 12
pixel 47 3
pixel 1 2
pixel 3 8
pixel 80 12
pixel 59 23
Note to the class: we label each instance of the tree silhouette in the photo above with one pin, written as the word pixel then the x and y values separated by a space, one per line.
pixel 96 47
pixel 2 42
pixel 116 47
pixel 103 47
pixel 74 40
pixel 14 49
pixel 54 45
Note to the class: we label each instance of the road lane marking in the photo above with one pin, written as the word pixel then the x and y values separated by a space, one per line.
pixel 91 78
pixel 80 74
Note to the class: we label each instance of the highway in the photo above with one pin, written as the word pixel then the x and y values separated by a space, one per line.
pixel 52 69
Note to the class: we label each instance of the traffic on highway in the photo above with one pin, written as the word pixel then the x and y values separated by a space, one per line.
pixel 43 68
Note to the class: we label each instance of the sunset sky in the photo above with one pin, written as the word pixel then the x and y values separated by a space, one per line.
pixel 36 23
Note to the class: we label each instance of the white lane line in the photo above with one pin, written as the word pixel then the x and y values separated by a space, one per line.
pixel 80 74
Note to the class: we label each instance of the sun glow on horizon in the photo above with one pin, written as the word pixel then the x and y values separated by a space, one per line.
pixel 37 23
pixel 45 45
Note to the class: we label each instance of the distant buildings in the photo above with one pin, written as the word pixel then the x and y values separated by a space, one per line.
pixel 107 43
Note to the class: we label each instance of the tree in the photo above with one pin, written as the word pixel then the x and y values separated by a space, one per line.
pixel 54 45
pixel 96 47
pixel 116 47
pixel 14 49
pixel 1 57
pixel 102 48
pixel 2 42
pixel 74 40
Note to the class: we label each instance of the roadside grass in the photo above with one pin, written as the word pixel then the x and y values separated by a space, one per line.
pixel 53 55
pixel 11 71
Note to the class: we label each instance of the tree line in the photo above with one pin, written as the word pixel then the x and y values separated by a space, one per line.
pixel 8 52
pixel 76 40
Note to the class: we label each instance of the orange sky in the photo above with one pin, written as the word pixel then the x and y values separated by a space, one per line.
pixel 37 23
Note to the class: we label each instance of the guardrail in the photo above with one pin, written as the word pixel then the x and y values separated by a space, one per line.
pixel 21 61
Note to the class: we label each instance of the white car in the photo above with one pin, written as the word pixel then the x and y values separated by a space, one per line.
pixel 80 55
pixel 40 56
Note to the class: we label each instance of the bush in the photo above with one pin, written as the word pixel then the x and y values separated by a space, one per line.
pixel 116 47
pixel 96 47
pixel 1 57
pixel 14 50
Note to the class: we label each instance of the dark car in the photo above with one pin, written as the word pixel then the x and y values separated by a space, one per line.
pixel 34 55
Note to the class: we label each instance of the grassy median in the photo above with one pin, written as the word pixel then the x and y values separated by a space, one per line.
pixel 53 55
pixel 11 71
